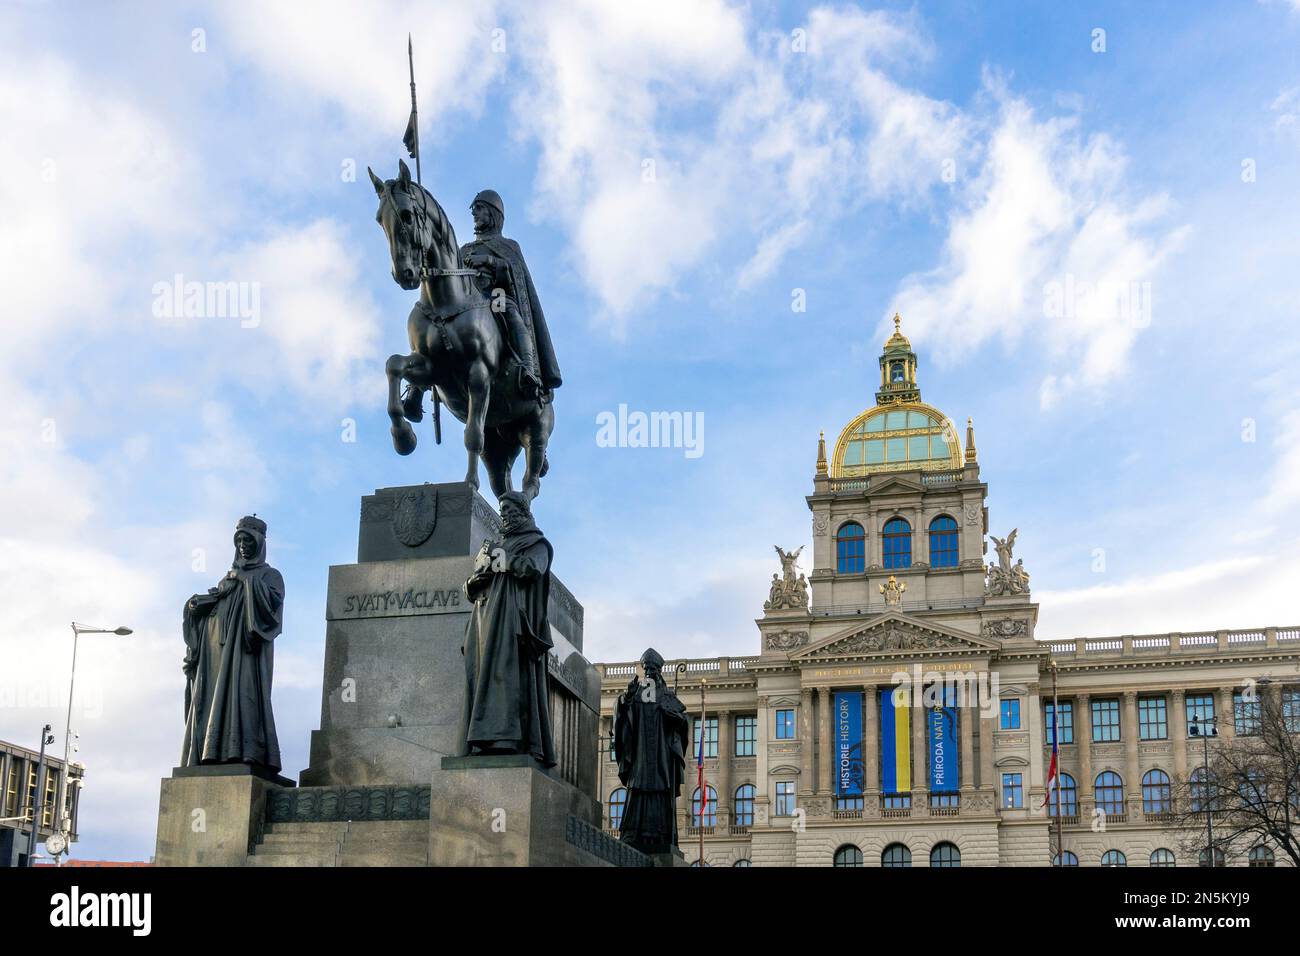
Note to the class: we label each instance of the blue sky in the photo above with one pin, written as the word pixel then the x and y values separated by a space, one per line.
pixel 953 162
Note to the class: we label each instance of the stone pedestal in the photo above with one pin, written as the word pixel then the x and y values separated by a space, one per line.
pixel 394 681
pixel 211 815
pixel 506 811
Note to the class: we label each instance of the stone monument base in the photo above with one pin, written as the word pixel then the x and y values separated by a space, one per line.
pixel 210 815
pixel 506 810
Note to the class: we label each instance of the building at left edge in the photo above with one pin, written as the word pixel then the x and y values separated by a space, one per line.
pixel 19 787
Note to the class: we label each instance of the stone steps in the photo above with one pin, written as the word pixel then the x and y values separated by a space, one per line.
pixel 363 843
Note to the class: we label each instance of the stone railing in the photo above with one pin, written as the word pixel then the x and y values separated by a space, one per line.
pixel 708 666
pixel 1138 645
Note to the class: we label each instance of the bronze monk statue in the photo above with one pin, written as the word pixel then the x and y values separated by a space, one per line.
pixel 508 640
pixel 651 730
pixel 228 658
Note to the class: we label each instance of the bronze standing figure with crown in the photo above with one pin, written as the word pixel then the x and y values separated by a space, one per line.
pixel 228 659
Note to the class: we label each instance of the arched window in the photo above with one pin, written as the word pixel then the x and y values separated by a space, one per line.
pixel 1069 798
pixel 1260 856
pixel 1203 793
pixel 943 542
pixel 710 809
pixel 897 544
pixel 744 805
pixel 1113 858
pixel 1066 859
pixel 1109 793
pixel 1202 858
pixel 617 804
pixel 697 863
pixel 850 549
pixel 945 854
pixel 742 863
pixel 1163 857
pixel 848 855
pixel 897 855
pixel 1155 792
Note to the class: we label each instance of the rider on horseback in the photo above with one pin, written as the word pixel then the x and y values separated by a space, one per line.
pixel 501 266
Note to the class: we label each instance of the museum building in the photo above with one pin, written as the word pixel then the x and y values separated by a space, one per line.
pixel 899 711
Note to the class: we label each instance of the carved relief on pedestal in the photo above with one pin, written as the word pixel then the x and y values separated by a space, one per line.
pixel 1005 628
pixel 785 640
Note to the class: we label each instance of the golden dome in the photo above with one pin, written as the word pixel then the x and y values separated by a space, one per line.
pixel 900 433
pixel 897 437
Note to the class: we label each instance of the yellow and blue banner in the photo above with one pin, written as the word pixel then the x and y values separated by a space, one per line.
pixel 944 776
pixel 895 743
pixel 849 774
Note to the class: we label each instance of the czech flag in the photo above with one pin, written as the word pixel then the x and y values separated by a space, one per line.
pixel 1051 769
pixel 699 763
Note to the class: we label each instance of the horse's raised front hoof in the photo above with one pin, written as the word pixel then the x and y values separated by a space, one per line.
pixel 403 438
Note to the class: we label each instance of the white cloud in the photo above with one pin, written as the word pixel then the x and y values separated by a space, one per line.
pixel 1047 244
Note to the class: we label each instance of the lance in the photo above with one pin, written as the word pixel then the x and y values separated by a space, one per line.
pixel 412 142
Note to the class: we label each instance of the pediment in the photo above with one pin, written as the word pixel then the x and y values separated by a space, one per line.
pixel 890 635
pixel 895 484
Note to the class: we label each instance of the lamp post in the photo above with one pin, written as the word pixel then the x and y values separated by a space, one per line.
pixel 1205 728
pixel 39 810
pixel 64 818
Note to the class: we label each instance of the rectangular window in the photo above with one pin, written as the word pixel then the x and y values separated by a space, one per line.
pixel 1153 718
pixel 1064 723
pixel 1013 791
pixel 785 724
pixel 848 803
pixel 1291 709
pixel 611 744
pixel 1245 714
pixel 1105 720
pixel 1200 707
pixel 1011 715
pixel 710 736
pixel 746 736
pixel 895 801
pixel 785 798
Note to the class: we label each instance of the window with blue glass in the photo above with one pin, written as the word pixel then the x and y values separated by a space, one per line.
pixel 943 542
pixel 850 549
pixel 1200 707
pixel 1291 709
pixel 1013 791
pixel 1010 715
pixel 1153 718
pixel 1069 798
pixel 785 798
pixel 744 805
pixel 1157 792
pixel 1109 792
pixel 746 735
pixel 710 808
pixel 1105 720
pixel 710 736
pixel 896 542
pixel 617 804
pixel 1064 722
pixel 1245 713
pixel 785 724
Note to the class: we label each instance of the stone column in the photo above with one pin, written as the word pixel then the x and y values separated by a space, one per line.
pixel 920 759
pixel 825 739
pixel 1227 724
pixel 1083 741
pixel 762 785
pixel 726 746
pixel 966 717
pixel 1132 775
pixel 871 741
pixel 1034 733
pixel 805 740
pixel 1178 731
pixel 986 748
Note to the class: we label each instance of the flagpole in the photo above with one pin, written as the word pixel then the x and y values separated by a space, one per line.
pixel 704 793
pixel 1056 741
pixel 415 116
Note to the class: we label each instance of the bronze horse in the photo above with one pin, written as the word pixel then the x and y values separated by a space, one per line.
pixel 458 346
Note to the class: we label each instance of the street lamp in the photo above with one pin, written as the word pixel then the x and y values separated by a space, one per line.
pixel 65 819
pixel 1205 728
